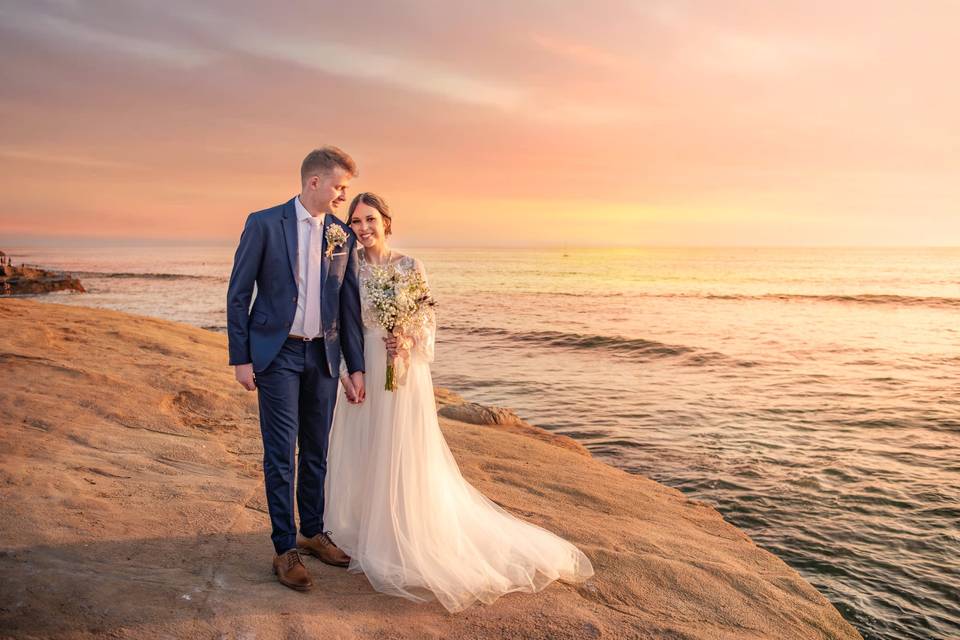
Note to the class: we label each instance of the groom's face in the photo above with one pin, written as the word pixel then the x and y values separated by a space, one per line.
pixel 327 191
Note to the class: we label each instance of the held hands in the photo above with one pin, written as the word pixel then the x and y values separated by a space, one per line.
pixel 353 387
pixel 357 379
pixel 352 384
pixel 244 375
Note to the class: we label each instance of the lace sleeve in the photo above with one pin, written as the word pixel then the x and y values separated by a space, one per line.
pixel 424 338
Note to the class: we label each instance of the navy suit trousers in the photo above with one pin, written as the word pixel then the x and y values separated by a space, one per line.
pixel 297 397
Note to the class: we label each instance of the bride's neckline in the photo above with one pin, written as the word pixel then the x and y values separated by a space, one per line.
pixel 390 258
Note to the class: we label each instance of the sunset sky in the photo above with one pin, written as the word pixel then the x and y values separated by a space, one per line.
pixel 495 123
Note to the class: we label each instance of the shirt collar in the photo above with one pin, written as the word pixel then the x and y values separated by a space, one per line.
pixel 302 213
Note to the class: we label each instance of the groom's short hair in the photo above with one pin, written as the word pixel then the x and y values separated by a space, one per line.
pixel 323 160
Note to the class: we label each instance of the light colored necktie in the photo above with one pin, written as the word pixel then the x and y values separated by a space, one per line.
pixel 311 314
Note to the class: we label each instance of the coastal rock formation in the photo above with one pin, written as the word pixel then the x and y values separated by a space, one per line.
pixel 133 508
pixel 452 406
pixel 27 279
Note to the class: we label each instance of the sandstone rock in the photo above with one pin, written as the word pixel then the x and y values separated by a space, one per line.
pixel 132 492
pixel 27 279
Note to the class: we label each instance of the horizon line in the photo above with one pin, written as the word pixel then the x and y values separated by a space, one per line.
pixel 107 242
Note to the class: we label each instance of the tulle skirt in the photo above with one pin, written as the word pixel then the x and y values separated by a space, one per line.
pixel 398 505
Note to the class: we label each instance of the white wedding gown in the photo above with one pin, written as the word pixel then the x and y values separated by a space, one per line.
pixel 398 505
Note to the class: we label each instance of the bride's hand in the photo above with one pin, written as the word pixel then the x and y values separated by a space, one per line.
pixel 348 388
pixel 397 346
pixel 392 344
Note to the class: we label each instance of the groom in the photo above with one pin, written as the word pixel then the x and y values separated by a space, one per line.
pixel 288 346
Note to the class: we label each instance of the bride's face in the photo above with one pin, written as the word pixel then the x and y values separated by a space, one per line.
pixel 367 223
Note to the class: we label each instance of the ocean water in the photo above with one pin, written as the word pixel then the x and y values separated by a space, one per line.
pixel 811 395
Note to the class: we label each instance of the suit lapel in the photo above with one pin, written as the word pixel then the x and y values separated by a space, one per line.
pixel 289 225
pixel 325 261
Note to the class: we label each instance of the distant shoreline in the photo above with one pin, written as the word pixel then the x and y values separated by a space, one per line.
pixel 27 279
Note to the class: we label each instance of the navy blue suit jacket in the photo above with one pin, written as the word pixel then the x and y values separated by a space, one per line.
pixel 267 256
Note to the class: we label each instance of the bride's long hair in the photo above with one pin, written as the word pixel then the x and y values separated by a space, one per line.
pixel 375 201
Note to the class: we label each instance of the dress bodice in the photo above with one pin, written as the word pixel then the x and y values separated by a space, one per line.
pixel 403 263
pixel 424 337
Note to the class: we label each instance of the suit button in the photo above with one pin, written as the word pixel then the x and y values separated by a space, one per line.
pixel 294 299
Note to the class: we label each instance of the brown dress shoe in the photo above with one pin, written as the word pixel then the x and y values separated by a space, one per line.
pixel 291 572
pixel 321 546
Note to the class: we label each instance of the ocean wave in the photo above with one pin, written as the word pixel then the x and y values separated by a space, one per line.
pixel 578 341
pixel 645 349
pixel 863 298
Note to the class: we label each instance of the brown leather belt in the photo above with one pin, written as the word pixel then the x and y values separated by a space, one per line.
pixel 294 337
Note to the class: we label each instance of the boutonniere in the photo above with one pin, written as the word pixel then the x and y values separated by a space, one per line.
pixel 336 236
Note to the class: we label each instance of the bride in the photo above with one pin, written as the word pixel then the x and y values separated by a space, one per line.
pixel 398 505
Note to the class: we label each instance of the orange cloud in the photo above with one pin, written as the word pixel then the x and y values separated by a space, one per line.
pixel 675 123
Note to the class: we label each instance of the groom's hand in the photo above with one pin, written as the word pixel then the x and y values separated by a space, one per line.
pixel 348 389
pixel 244 374
pixel 357 379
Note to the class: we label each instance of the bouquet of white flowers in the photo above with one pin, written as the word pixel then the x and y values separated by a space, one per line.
pixel 403 305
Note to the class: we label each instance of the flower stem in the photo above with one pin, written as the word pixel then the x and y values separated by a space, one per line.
pixel 391 384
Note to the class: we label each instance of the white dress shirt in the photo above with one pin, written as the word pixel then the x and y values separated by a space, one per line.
pixel 303 250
